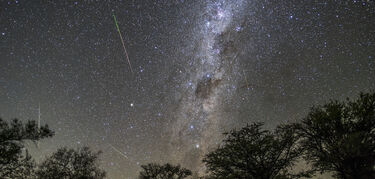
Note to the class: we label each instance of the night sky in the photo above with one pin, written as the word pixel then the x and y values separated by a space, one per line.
pixel 199 68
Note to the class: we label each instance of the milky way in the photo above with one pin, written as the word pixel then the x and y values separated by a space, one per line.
pixel 200 68
pixel 199 106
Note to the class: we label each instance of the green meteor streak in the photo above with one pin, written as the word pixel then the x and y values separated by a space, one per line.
pixel 123 44
pixel 114 17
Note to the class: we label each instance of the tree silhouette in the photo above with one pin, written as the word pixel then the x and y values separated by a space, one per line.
pixel 255 153
pixel 14 161
pixel 166 171
pixel 71 164
pixel 339 137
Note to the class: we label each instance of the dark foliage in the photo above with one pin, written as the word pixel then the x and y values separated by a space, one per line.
pixel 255 153
pixel 166 171
pixel 339 137
pixel 71 164
pixel 14 161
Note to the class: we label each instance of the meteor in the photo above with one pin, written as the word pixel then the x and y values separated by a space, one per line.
pixel 118 151
pixel 37 143
pixel 247 83
pixel 123 44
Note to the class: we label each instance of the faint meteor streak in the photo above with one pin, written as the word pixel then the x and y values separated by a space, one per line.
pixel 118 151
pixel 247 84
pixel 37 143
pixel 123 44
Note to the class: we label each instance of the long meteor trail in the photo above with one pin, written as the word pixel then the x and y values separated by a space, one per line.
pixel 123 44
pixel 118 151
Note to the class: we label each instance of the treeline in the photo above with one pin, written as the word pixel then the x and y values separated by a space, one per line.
pixel 336 138
pixel 16 163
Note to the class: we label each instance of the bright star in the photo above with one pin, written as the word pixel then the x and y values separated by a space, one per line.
pixel 220 14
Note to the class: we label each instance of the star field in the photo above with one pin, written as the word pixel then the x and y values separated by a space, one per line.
pixel 200 68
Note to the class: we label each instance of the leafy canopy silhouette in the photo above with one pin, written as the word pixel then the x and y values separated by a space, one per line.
pixel 14 161
pixel 339 137
pixel 166 171
pixel 253 152
pixel 71 164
